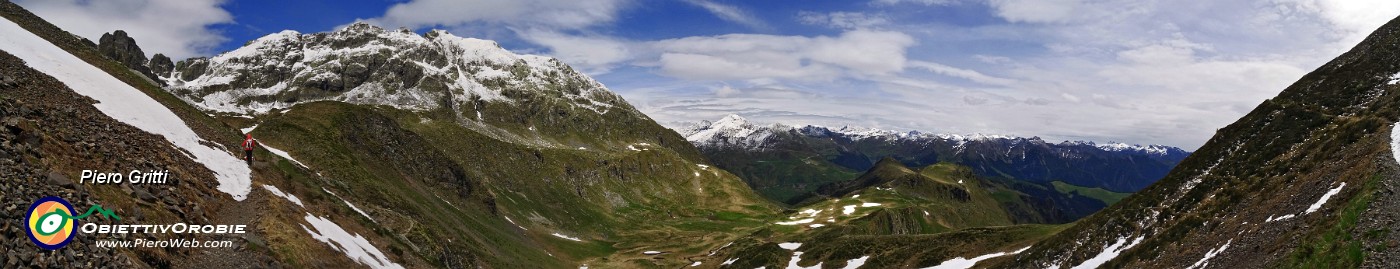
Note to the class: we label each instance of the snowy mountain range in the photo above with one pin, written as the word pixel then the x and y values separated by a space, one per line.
pixel 784 162
pixel 736 131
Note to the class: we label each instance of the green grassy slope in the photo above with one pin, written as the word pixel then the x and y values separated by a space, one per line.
pixel 1108 197
pixel 898 217
pixel 618 201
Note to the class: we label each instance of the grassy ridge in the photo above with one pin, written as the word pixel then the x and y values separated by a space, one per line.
pixel 1108 197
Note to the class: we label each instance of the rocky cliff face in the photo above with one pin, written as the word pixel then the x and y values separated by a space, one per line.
pixel 123 49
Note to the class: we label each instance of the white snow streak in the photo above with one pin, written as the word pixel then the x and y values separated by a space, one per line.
pixel 962 263
pixel 729 261
pixel 1210 254
pixel 1325 197
pixel 284 154
pixel 575 239
pixel 1395 141
pixel 1109 252
pixel 352 206
pixel 279 193
pixel 796 222
pixel 353 245
pixel 1284 217
pixel 856 263
pixel 797 257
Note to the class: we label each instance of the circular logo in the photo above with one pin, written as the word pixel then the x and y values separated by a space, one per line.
pixel 50 222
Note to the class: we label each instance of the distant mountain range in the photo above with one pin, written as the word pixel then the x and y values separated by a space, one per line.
pixel 783 162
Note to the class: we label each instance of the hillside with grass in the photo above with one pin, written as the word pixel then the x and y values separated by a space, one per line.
pixel 892 216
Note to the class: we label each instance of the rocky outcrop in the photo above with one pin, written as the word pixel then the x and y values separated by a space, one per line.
pixel 120 47
pixel 161 65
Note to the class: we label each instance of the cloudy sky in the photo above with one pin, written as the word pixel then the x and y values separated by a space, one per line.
pixel 1136 71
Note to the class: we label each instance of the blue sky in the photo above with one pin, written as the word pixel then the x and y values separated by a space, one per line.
pixel 1135 71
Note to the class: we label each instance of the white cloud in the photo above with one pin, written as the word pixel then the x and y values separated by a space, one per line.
pixel 594 54
pixel 842 20
pixel 925 2
pixel 750 56
pixel 1038 11
pixel 522 13
pixel 726 91
pixel 560 26
pixel 961 73
pixel 177 28
pixel 729 13
pixel 1354 18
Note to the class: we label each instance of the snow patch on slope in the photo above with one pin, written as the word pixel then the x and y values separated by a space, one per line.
pixel 570 238
pixel 796 222
pixel 1210 254
pixel 856 263
pixel 1395 141
pixel 352 206
pixel 279 193
pixel 1317 205
pixel 353 245
pixel 1109 252
pixel 283 154
pixel 962 263
pixel 128 105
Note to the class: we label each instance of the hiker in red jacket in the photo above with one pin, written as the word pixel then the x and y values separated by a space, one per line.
pixel 248 144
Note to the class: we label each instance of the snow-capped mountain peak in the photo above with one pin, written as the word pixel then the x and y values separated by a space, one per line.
pixel 732 129
pixel 366 64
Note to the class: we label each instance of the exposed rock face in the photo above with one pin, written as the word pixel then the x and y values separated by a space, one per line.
pixel 161 65
pixel 122 48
